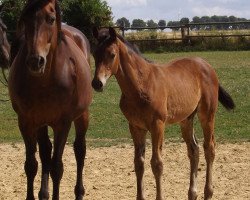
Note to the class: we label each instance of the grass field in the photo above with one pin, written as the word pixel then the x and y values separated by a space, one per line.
pixel 109 126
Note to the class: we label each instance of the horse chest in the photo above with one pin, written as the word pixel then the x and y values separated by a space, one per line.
pixel 43 99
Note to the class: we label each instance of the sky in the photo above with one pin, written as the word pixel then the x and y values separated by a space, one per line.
pixel 173 10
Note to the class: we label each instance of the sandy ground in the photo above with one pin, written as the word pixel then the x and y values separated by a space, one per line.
pixel 109 173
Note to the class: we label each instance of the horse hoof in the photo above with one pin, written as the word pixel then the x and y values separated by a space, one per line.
pixel 43 195
pixel 80 197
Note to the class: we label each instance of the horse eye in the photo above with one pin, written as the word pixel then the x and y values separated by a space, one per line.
pixel 51 20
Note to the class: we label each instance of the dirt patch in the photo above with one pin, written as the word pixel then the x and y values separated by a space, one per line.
pixel 109 173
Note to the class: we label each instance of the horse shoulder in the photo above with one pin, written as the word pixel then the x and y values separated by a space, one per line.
pixel 79 38
pixel 79 71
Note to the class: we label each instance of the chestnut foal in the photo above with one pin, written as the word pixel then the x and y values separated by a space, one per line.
pixel 154 95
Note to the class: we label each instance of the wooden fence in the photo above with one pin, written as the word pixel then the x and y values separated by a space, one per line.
pixel 185 30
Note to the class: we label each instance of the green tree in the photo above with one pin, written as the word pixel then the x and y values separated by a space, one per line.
pixel 86 14
pixel 174 23
pixel 205 19
pixel 196 19
pixel 162 23
pixel 11 12
pixel 123 22
pixel 151 23
pixel 138 23
pixel 184 21
pixel 233 19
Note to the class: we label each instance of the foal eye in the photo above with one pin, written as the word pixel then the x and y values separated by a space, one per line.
pixel 51 19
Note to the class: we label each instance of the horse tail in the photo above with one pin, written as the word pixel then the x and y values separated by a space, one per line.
pixel 225 99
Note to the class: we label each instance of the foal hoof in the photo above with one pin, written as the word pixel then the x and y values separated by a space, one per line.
pixel 208 193
pixel 192 195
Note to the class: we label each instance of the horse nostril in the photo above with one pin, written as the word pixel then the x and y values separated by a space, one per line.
pixel 97 85
pixel 41 61
pixel 35 63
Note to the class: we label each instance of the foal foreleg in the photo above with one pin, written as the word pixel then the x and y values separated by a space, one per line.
pixel 209 150
pixel 45 148
pixel 139 139
pixel 157 135
pixel 60 137
pixel 193 154
pixel 81 126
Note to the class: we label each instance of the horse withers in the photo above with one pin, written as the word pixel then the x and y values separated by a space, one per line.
pixel 49 85
pixel 155 95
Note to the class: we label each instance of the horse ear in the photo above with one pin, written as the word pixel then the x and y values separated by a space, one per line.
pixel 112 33
pixel 95 32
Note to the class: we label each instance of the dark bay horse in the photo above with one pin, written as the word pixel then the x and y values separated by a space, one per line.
pixel 156 95
pixel 4 44
pixel 49 85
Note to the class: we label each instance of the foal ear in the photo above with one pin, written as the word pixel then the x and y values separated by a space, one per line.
pixel 112 33
pixel 95 32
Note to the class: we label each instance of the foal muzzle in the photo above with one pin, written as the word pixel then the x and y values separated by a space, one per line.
pixel 97 85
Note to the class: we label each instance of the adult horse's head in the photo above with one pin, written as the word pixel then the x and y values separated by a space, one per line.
pixel 106 57
pixel 4 45
pixel 41 24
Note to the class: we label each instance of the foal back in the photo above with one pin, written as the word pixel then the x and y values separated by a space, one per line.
pixel 188 82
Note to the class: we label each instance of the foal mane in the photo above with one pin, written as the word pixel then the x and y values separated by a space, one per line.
pixel 31 8
pixel 105 40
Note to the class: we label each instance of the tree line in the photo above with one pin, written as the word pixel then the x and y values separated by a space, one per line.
pixel 124 22
pixel 86 14
pixel 82 14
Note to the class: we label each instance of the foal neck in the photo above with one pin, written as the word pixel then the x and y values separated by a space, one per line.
pixel 133 72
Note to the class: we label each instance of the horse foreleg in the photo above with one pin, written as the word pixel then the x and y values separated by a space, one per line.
pixel 60 137
pixel 139 139
pixel 81 126
pixel 157 135
pixel 31 163
pixel 193 154
pixel 45 148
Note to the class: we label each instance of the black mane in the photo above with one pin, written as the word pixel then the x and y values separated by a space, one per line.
pixel 30 9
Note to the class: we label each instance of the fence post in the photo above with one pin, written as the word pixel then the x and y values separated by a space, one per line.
pixel 185 33
pixel 123 29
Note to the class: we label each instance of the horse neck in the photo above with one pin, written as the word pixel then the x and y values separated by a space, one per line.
pixel 133 71
pixel 51 55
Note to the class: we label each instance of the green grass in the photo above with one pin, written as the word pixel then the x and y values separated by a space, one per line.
pixel 108 126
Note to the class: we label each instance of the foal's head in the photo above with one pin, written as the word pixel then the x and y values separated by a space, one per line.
pixel 106 57
pixel 4 45
pixel 40 22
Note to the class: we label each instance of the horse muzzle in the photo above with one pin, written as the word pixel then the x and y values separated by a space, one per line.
pixel 36 64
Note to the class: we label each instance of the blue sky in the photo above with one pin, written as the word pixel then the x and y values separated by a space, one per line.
pixel 176 9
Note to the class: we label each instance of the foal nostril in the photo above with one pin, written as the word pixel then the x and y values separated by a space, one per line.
pixel 97 85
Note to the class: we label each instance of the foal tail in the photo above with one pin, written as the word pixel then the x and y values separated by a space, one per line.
pixel 225 99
